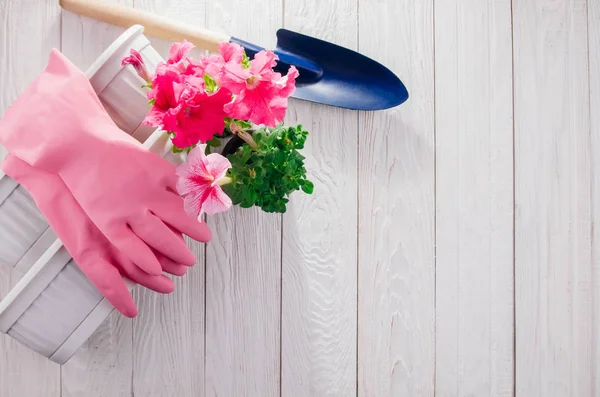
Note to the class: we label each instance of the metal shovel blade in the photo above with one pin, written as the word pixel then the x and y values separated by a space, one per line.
pixel 334 75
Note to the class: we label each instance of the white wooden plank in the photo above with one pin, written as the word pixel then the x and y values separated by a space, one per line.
pixel 168 338
pixel 19 364
pixel 474 198
pixel 242 305
pixel 593 22
pixel 396 314
pixel 243 261
pixel 553 230
pixel 168 334
pixel 28 31
pixel 103 367
pixel 319 300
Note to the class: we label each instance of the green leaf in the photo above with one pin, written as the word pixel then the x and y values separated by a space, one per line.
pixel 244 124
pixel 258 136
pixel 152 101
pixel 246 204
pixel 210 84
pixel 247 153
pixel 215 142
pixel 250 196
pixel 308 187
pixel 245 61
pixel 177 149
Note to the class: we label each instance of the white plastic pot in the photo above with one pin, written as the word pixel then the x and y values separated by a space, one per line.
pixel 25 232
pixel 54 308
pixel 119 87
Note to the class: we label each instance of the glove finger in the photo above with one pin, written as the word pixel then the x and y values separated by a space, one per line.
pixel 161 284
pixel 168 265
pixel 159 236
pixel 107 279
pixel 137 251
pixel 171 267
pixel 172 212
pixel 180 237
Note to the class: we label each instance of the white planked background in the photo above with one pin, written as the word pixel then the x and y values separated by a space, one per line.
pixel 449 248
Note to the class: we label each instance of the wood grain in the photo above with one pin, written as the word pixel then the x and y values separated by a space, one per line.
pixel 243 261
pixel 474 206
pixel 319 300
pixel 103 366
pixel 396 229
pixel 270 317
pixel 553 225
pixel 243 304
pixel 29 29
pixel 168 338
pixel 593 22
pixel 168 334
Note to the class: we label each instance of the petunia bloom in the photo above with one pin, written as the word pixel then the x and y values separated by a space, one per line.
pixel 135 60
pixel 167 87
pixel 231 52
pixel 198 116
pixel 199 183
pixel 260 93
pixel 212 65
pixel 178 54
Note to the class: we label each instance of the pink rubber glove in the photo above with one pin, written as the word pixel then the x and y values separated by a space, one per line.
pixel 99 260
pixel 59 125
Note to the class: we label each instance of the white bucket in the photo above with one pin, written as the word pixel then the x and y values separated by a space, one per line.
pixel 118 87
pixel 54 308
pixel 22 226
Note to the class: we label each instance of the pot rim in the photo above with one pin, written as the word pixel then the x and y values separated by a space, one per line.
pixel 103 71
pixel 35 281
pixel 32 284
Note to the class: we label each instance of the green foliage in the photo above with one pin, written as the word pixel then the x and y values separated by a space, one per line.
pixel 240 123
pixel 267 175
pixel 209 84
pixel 215 142
pixel 245 61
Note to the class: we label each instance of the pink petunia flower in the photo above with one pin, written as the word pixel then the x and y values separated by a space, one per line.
pixel 215 63
pixel 135 60
pixel 195 67
pixel 178 54
pixel 231 52
pixel 198 116
pixel 199 183
pixel 260 93
pixel 167 87
pixel 212 65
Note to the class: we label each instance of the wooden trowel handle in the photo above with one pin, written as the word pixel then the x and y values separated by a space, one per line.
pixel 154 25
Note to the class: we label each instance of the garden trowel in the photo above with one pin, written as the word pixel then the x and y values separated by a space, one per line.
pixel 329 74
